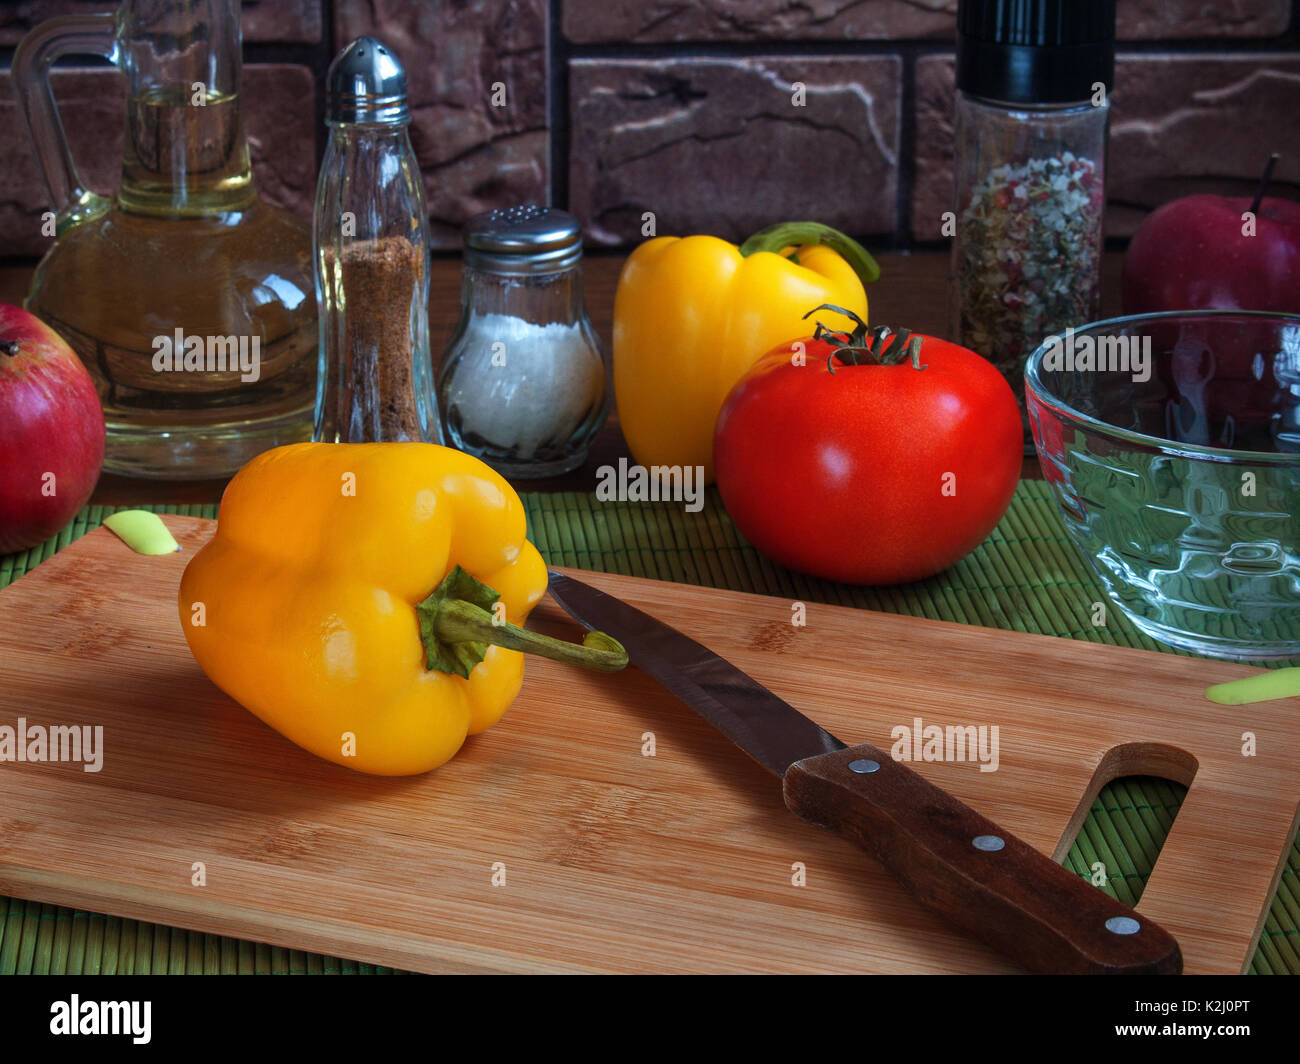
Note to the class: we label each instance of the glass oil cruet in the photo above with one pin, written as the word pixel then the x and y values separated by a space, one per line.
pixel 190 301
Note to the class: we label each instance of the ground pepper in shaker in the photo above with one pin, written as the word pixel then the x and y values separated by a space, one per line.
pixel 524 382
pixel 1033 102
pixel 372 260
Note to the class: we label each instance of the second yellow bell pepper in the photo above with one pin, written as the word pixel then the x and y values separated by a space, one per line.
pixel 692 314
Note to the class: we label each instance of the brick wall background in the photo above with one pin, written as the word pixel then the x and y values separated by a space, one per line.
pixel 687 109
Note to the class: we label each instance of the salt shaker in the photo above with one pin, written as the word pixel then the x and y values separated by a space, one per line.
pixel 524 382
pixel 1033 101
pixel 375 380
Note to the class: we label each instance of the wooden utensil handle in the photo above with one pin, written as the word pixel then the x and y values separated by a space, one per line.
pixel 974 874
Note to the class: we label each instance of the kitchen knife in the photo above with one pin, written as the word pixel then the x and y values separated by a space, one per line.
pixel 956 862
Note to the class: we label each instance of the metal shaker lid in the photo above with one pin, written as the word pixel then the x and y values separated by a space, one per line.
pixel 367 83
pixel 522 240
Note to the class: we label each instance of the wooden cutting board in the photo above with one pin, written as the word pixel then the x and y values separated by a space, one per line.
pixel 605 859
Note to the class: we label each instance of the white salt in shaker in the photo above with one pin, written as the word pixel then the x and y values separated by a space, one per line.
pixel 524 383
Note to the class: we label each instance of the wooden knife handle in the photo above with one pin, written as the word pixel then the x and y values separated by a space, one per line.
pixel 971 872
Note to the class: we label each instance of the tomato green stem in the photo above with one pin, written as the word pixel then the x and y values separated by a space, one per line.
pixel 885 347
pixel 804 234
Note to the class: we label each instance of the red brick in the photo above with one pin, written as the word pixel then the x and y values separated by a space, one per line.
pixel 618 21
pixel 1139 20
pixel 605 21
pixel 474 156
pixel 932 181
pixel 718 146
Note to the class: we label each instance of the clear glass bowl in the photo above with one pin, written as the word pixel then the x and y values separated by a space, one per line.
pixel 1172 445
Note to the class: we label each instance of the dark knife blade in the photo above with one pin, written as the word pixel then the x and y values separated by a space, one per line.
pixel 953 860
pixel 770 730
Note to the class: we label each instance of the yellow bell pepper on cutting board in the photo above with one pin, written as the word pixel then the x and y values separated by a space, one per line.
pixel 344 599
pixel 692 314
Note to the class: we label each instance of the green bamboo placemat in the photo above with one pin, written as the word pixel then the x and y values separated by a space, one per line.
pixel 1026 576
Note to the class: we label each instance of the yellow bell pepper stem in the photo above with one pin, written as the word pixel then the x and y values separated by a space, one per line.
pixel 807 234
pixel 456 628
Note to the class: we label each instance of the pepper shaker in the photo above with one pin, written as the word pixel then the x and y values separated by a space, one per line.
pixel 524 382
pixel 375 378
pixel 1033 102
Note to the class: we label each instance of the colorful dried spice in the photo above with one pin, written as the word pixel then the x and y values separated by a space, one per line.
pixel 1029 260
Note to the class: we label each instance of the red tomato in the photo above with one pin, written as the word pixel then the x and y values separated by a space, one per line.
pixel 873 474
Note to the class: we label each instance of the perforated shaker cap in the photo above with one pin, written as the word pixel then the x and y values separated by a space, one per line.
pixel 522 240
pixel 367 84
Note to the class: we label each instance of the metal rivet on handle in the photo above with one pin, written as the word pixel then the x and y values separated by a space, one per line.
pixel 988 843
pixel 1123 925
pixel 862 766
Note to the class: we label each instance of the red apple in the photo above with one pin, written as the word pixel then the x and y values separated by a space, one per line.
pixel 51 431
pixel 1192 254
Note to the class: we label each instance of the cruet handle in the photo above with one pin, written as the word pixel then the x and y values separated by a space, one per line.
pixel 73 203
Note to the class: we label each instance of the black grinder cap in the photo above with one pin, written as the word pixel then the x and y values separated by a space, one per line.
pixel 1035 51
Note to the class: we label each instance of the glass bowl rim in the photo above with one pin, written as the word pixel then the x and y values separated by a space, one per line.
pixel 1034 384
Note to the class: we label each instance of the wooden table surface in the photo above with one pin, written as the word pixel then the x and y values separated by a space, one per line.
pixel 912 291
